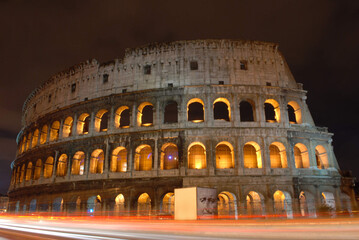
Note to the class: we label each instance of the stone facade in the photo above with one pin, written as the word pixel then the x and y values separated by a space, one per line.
pixel 223 114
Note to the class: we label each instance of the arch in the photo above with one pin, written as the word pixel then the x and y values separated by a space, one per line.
pixel 83 124
pixel 169 156
pixel 119 204
pixel 28 139
pixel 167 203
pixel 301 156
pixel 61 166
pixel 246 111
pixel 28 171
pixel 171 112
pixel 145 114
pixel 321 157
pixel 197 156
pixel 58 204
pixel 35 138
pixel 255 203
pixel 23 144
pixel 32 207
pixel 272 111
pixel 307 204
pixel 222 109
pixel 283 203
pixel 294 112
pixel 54 131
pixel 122 117
pixel 101 121
pixel 18 173
pixel 143 158
pixel 195 110
pixel 277 155
pixel 227 205
pixel 224 155
pixel 67 127
pixel 328 202
pixel 96 162
pixel 48 167
pixel 144 205
pixel 78 163
pixel 94 204
pixel 37 171
pixel 252 157
pixel 22 173
pixel 119 160
pixel 43 135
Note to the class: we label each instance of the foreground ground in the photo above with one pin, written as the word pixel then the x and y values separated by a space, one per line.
pixel 32 227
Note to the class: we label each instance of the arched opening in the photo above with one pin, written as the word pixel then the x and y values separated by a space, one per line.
pixel 224 155
pixel 195 110
pixel 327 203
pixel 307 204
pixel 57 204
pixel 67 127
pixel 145 114
pixel 272 111
pixel 61 166
pixel 32 207
pixel 321 157
pixel 119 204
pixel 28 139
pixel 283 204
pixel 301 156
pixel 227 205
pixel 252 155
pixel 143 158
pixel 255 204
pixel 22 173
pixel 18 173
pixel 144 205
pixel 94 205
pixel 28 171
pixel 54 131
pixel 278 155
pixel 48 168
pixel 43 135
pixel 222 109
pixel 197 156
pixel 78 163
pixel 246 111
pixel 119 160
pixel 171 112
pixel 167 204
pixel 35 138
pixel 122 117
pixel 169 156
pixel 37 171
pixel 96 163
pixel 23 144
pixel 101 121
pixel 294 113
pixel 83 124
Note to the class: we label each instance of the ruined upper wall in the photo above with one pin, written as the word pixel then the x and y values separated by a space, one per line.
pixel 160 65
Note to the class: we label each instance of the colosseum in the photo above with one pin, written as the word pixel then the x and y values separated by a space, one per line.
pixel 119 137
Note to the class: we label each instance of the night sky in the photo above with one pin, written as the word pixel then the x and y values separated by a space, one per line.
pixel 319 39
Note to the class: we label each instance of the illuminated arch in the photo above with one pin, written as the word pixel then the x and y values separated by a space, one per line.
pixel 119 160
pixel 143 158
pixel 78 163
pixel 328 201
pixel 278 155
pixel 43 135
pixel 307 204
pixel 197 156
pixel 96 162
pixel 28 171
pixel 283 203
pixel 227 205
pixel 94 204
pixel 38 168
pixel 222 109
pixel 195 110
pixel 101 121
pixel 22 173
pixel 169 156
pixel 122 117
pixel 145 114
pixel 252 155
pixel 61 166
pixel 17 180
pixel 272 110
pixel 67 127
pixel 144 205
pixel 294 112
pixel 255 203
pixel 48 167
pixel 83 123
pixel 301 156
pixel 35 138
pixel 167 204
pixel 28 139
pixel 321 157
pixel 224 155
pixel 119 204
pixel 54 131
